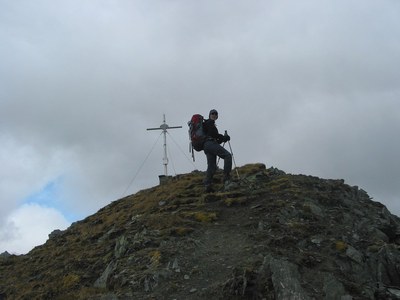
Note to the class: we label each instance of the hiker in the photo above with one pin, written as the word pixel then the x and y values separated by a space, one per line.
pixel 212 149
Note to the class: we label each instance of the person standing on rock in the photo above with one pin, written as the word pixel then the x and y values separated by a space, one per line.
pixel 212 149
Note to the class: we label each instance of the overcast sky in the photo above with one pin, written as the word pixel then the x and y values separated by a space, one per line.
pixel 310 87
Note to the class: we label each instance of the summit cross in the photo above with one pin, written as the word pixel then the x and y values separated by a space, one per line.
pixel 164 126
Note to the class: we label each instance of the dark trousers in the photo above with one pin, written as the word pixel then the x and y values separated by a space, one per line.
pixel 212 149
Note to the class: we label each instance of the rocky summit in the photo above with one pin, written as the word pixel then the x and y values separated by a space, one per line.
pixel 270 235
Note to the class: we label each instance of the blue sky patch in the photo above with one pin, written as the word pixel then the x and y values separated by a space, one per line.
pixel 49 196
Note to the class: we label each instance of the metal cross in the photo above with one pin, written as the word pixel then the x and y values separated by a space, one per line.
pixel 164 126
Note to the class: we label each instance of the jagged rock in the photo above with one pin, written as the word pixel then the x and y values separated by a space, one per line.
pixel 121 246
pixel 174 266
pixel 314 209
pixel 275 171
pixel 101 282
pixel 55 233
pixel 332 288
pixel 388 263
pixel 393 293
pixel 5 254
pixel 354 254
pixel 286 279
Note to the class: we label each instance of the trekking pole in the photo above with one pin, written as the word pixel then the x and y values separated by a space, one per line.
pixel 191 150
pixel 191 146
pixel 233 158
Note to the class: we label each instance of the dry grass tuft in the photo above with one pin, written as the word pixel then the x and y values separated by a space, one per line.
pixel 205 217
pixel 235 201
pixel 340 246
pixel 70 281
pixel 181 231
pixel 155 257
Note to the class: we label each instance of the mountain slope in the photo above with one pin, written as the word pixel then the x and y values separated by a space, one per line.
pixel 271 236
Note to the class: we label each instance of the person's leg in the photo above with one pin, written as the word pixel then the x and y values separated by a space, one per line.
pixel 211 168
pixel 212 149
pixel 209 150
pixel 227 157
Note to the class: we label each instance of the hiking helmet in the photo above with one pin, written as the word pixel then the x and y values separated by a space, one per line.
pixel 213 111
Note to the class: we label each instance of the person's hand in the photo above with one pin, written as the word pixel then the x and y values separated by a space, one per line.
pixel 227 138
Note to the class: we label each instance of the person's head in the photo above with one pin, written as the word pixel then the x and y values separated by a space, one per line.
pixel 213 114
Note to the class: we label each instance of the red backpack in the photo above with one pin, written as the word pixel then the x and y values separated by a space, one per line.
pixel 196 133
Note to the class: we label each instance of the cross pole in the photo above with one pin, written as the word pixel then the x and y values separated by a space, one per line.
pixel 164 126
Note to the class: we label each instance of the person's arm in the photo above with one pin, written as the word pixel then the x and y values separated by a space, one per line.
pixel 211 130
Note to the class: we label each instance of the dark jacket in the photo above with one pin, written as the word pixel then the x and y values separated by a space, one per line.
pixel 211 131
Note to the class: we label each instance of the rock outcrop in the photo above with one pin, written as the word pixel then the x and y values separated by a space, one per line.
pixel 271 236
